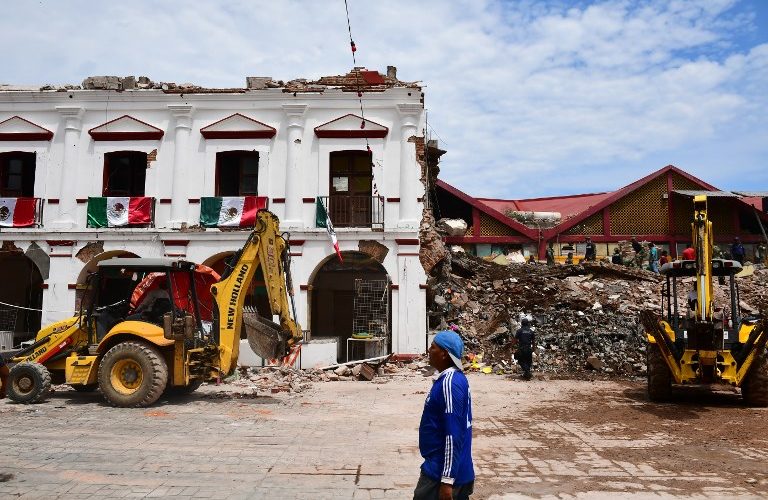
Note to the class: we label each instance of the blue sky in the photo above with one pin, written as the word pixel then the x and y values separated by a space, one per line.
pixel 530 98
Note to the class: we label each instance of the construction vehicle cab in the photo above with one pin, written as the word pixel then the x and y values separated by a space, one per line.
pixel 694 342
pixel 150 325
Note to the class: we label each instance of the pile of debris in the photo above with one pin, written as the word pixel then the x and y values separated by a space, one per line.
pixel 585 315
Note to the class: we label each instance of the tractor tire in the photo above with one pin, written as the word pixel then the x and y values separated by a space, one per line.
pixel 132 375
pixel 754 390
pixel 659 376
pixel 29 383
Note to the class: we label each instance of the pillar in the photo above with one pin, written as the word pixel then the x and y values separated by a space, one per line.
pixel 293 202
pixel 409 170
pixel 66 177
pixel 183 128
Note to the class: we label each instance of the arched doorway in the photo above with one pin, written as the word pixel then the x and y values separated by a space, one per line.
pixel 350 297
pixel 22 286
pixel 90 268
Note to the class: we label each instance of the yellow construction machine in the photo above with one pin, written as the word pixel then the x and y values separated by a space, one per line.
pixel 134 358
pixel 704 344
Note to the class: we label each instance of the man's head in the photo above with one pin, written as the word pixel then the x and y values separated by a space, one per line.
pixel 588 238
pixel 446 350
pixel 525 321
pixel 736 239
pixel 650 244
pixel 634 238
pixel 688 245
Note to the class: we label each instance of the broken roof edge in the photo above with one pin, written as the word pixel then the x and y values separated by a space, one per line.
pixel 517 226
pixel 358 79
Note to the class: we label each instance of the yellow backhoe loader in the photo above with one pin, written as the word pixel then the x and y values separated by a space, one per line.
pixel 190 335
pixel 706 344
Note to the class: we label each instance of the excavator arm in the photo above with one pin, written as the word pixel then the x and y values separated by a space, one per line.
pixel 264 248
pixel 702 242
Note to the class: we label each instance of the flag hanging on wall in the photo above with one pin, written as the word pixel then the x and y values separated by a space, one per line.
pixel 17 212
pixel 230 211
pixel 119 211
pixel 323 220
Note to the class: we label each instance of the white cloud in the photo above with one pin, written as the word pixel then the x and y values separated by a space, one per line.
pixel 530 97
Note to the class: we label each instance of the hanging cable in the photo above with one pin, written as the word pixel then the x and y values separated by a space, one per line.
pixel 358 77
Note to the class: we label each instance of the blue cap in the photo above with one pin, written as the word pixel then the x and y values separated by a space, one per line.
pixel 451 342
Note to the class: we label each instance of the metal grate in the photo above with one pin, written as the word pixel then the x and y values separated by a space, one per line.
pixel 591 225
pixel 8 317
pixel 643 211
pixel 371 308
pixel 491 227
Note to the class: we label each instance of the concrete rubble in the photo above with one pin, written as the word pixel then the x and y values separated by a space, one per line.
pixel 586 316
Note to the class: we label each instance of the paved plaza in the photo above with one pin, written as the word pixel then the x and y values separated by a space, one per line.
pixel 543 439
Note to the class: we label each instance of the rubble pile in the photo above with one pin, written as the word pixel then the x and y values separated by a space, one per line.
pixel 274 379
pixel 586 316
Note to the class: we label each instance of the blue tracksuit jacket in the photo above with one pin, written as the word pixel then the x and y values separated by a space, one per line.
pixel 445 433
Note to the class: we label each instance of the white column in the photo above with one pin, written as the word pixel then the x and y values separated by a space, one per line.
pixel 409 170
pixel 293 203
pixel 179 199
pixel 66 177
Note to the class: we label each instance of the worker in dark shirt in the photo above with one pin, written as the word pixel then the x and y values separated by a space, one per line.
pixel 590 253
pixel 616 257
pixel 737 251
pixel 525 341
pixel 550 255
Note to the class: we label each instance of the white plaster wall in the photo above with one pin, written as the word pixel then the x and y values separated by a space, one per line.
pixel 408 314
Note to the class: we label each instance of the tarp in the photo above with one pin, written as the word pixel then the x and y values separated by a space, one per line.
pixel 204 277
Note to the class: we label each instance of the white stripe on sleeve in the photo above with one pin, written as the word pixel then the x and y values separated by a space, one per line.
pixel 448 456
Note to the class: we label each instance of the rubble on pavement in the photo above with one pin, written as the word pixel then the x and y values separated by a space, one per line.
pixel 586 316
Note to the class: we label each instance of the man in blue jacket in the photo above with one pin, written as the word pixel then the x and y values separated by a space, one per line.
pixel 445 432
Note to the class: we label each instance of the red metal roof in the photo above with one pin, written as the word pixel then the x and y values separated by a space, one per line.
pixel 567 206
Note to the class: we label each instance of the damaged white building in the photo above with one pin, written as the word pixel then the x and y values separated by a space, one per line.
pixel 172 152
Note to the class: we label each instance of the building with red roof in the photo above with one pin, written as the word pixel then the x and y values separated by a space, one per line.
pixel 657 208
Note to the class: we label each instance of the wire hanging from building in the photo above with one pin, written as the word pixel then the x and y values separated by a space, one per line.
pixel 358 76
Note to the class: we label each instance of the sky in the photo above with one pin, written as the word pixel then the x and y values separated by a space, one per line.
pixel 529 98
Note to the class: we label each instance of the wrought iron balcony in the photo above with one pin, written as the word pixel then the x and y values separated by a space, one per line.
pixel 355 211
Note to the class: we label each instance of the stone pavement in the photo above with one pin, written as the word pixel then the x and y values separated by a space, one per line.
pixel 557 439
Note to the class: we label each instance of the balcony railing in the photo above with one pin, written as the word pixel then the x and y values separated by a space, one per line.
pixel 21 212
pixel 355 211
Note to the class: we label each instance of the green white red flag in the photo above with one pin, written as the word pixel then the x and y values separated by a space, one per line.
pixel 119 211
pixel 322 219
pixel 230 211
pixel 17 212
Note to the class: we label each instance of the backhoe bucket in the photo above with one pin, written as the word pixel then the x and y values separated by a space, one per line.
pixel 266 338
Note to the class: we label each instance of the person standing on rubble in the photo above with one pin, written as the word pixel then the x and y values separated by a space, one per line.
pixel 590 253
pixel 445 431
pixel 616 257
pixel 550 255
pixel 737 251
pixel 639 252
pixel 653 258
pixel 525 341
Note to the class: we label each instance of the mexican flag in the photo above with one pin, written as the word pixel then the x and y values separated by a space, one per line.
pixel 323 220
pixel 230 211
pixel 17 212
pixel 119 211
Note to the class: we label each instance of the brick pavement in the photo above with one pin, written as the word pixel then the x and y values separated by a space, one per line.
pixel 359 440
